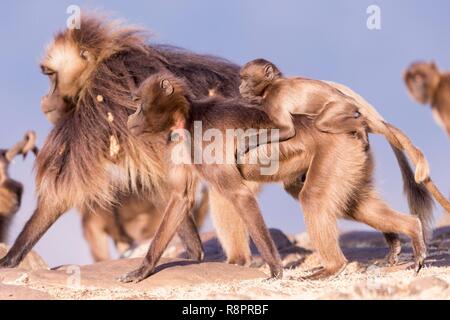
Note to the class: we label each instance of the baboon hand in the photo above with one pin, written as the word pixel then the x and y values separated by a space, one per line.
pixel 6 262
pixel 422 171
pixel 143 272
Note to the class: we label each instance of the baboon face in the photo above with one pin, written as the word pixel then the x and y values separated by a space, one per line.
pixel 55 107
pixel 421 78
pixel 162 105
pixel 255 76
pixel 68 67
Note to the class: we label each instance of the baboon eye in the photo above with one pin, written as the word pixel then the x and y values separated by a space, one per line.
pixel 47 71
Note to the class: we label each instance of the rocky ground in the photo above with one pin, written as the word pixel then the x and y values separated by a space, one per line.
pixel 366 277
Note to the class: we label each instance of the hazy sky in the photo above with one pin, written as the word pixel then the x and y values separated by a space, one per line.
pixel 319 39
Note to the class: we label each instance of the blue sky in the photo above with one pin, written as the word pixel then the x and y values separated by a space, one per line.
pixel 319 39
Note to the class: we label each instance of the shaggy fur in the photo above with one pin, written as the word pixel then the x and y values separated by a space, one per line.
pixel 74 169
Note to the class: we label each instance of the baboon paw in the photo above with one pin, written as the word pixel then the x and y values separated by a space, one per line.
pixel 136 276
pixel 197 255
pixel 257 262
pixel 418 265
pixel 324 273
pixel 392 259
pixel 276 274
pixel 8 263
pixel 240 261
pixel 422 172
pixel 393 256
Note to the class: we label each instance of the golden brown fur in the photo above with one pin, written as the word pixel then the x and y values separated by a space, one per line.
pixel 338 110
pixel 428 85
pixel 89 155
pixel 132 221
pixel 338 181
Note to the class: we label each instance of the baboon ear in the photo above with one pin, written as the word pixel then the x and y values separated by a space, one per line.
pixel 269 73
pixel 167 87
pixel 85 55
pixel 135 96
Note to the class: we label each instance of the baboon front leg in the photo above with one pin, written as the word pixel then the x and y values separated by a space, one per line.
pixel 190 238
pixel 41 220
pixel 245 203
pixel 177 210
pixel 395 247
pixel 377 214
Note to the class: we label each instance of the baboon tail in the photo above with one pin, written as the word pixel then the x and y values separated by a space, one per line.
pixel 201 207
pixel 419 198
pixel 422 169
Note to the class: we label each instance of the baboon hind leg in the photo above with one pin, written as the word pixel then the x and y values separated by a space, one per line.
pixel 321 211
pixel 230 228
pixel 342 118
pixel 376 213
pixel 244 202
pixel 94 231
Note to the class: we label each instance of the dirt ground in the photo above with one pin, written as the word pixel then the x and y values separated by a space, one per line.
pixel 366 277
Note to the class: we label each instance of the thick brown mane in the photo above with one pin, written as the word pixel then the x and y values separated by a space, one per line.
pixel 90 154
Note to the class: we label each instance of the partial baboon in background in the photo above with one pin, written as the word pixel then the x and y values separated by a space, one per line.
pixel 428 85
pixel 338 169
pixel 11 190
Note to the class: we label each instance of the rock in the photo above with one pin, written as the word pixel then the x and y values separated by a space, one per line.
pixel 281 241
pixel 441 232
pixel 15 276
pixel 419 285
pixel 9 292
pixel 364 239
pixel 213 249
pixel 31 262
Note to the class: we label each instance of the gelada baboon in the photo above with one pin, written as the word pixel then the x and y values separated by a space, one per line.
pixel 132 221
pixel 90 155
pixel 338 110
pixel 338 171
pixel 428 85
pixel 11 190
